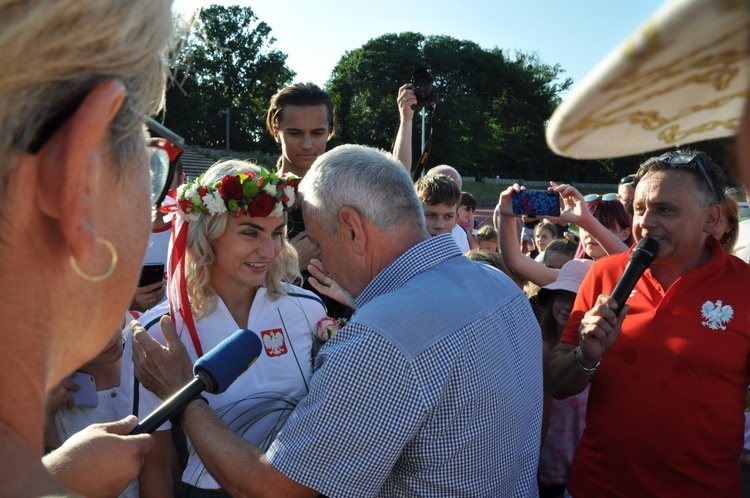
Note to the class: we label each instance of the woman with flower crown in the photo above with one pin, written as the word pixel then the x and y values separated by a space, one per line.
pixel 228 266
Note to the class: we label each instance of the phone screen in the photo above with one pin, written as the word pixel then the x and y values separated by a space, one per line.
pixel 151 273
pixel 86 394
pixel 536 202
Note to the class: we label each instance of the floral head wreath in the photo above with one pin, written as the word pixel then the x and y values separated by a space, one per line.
pixel 257 194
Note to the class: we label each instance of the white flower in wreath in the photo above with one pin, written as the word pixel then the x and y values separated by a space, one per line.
pixel 289 192
pixel 716 315
pixel 278 208
pixel 270 189
pixel 214 203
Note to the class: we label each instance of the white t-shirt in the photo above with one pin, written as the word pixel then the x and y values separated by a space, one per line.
pixel 258 403
pixel 462 241
pixel 742 246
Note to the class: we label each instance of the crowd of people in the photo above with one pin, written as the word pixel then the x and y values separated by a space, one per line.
pixel 404 353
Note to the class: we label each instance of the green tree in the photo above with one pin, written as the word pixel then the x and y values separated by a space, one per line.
pixel 227 61
pixel 492 107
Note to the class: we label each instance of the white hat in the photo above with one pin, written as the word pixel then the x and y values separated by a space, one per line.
pixel 569 279
pixel 681 78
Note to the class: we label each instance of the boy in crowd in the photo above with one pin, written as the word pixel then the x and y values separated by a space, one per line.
pixel 440 197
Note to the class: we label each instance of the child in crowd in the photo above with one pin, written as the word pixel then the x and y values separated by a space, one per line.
pixel 465 216
pixel 544 233
pixel 487 239
pixel 564 419
pixel 559 252
pixel 440 197
pixel 612 214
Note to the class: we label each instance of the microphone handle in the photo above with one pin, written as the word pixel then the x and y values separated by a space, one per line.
pixel 625 285
pixel 171 407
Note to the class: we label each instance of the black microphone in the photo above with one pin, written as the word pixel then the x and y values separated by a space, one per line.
pixel 214 373
pixel 640 259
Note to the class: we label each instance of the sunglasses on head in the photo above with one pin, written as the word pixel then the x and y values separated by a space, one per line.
pixel 631 180
pixel 605 197
pixel 688 159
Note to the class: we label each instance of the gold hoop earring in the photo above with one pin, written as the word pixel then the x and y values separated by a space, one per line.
pixel 106 274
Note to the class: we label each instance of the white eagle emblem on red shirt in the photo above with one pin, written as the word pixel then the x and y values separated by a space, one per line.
pixel 716 314
pixel 273 342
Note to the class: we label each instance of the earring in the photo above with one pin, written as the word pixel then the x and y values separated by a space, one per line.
pixel 106 274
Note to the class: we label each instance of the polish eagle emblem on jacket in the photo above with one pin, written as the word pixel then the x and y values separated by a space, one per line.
pixel 716 315
pixel 273 342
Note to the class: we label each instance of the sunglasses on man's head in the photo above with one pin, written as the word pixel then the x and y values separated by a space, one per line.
pixel 686 160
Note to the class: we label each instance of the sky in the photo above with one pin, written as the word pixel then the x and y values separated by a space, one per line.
pixel 315 34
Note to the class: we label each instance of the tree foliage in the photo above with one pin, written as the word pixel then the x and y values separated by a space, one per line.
pixel 228 62
pixel 492 107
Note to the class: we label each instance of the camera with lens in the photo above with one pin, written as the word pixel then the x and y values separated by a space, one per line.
pixel 421 83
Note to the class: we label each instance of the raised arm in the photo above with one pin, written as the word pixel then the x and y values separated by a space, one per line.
pixel 402 147
pixel 509 246
pixel 576 210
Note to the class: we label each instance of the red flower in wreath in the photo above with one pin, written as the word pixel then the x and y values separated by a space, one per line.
pixel 262 205
pixel 231 188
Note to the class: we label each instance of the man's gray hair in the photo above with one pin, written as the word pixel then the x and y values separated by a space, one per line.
pixel 369 180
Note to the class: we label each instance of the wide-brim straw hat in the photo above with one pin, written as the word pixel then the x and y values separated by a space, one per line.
pixel 682 77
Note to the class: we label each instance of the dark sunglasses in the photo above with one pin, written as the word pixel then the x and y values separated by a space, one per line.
pixel 631 180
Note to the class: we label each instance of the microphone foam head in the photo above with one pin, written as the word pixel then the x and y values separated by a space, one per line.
pixel 227 361
pixel 645 251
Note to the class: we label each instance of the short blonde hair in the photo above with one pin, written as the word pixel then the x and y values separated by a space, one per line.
pixel 200 257
pixel 54 52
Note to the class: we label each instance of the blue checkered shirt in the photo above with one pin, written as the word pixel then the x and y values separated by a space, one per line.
pixel 434 388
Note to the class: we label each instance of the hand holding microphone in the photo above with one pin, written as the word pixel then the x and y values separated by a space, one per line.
pixel 213 373
pixel 600 326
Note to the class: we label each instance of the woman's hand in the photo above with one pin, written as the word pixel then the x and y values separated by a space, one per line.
pixel 575 209
pixel 506 206
pixel 327 286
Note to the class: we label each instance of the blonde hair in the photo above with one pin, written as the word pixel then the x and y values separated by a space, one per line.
pixel 54 52
pixel 200 257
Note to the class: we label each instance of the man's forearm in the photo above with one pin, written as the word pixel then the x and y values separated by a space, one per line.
pixel 239 467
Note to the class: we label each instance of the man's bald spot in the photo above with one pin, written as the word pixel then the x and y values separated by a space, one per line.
pixel 448 171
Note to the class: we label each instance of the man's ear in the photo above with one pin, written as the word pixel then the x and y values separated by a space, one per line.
pixel 352 229
pixel 71 164
pixel 713 215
